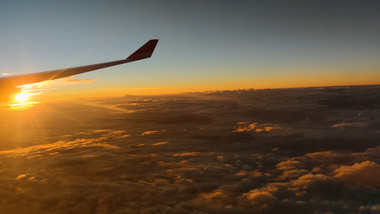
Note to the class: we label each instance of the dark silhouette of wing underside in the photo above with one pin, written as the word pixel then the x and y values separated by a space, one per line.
pixel 142 53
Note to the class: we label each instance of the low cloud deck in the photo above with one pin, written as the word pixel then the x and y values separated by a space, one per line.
pixel 262 151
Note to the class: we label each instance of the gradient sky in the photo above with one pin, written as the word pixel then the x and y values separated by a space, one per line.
pixel 204 45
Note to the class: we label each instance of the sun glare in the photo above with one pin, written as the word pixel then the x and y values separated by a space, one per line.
pixel 22 97
pixel 22 101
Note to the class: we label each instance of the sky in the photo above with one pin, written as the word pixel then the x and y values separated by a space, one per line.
pixel 204 45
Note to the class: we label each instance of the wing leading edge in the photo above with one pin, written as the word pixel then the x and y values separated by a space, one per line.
pixel 143 52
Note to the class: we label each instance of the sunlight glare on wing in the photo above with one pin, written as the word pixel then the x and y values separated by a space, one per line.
pixel 22 97
pixel 22 100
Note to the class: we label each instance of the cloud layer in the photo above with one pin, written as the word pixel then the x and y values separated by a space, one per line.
pixel 311 150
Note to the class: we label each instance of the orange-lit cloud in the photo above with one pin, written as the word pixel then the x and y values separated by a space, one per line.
pixel 186 154
pixel 159 143
pixel 54 148
pixel 288 165
pixel 366 173
pixel 149 133
pixel 255 127
pixel 351 124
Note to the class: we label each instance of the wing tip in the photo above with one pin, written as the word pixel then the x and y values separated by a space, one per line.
pixel 144 51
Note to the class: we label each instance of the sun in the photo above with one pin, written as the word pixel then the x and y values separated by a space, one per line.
pixel 22 97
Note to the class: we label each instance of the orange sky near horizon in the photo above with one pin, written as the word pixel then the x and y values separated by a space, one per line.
pixel 62 90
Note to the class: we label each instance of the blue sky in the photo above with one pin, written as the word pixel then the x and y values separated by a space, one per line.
pixel 203 44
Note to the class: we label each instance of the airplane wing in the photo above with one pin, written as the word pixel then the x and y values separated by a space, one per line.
pixel 9 83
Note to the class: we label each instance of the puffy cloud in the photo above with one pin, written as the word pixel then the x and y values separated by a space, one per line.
pixel 261 200
pixel 349 124
pixel 373 209
pixel 21 176
pixel 186 154
pixel 151 132
pixel 288 165
pixel 159 143
pixel 311 183
pixel 292 174
pixel 327 156
pixel 61 146
pixel 148 133
pixel 255 127
pixel 366 174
